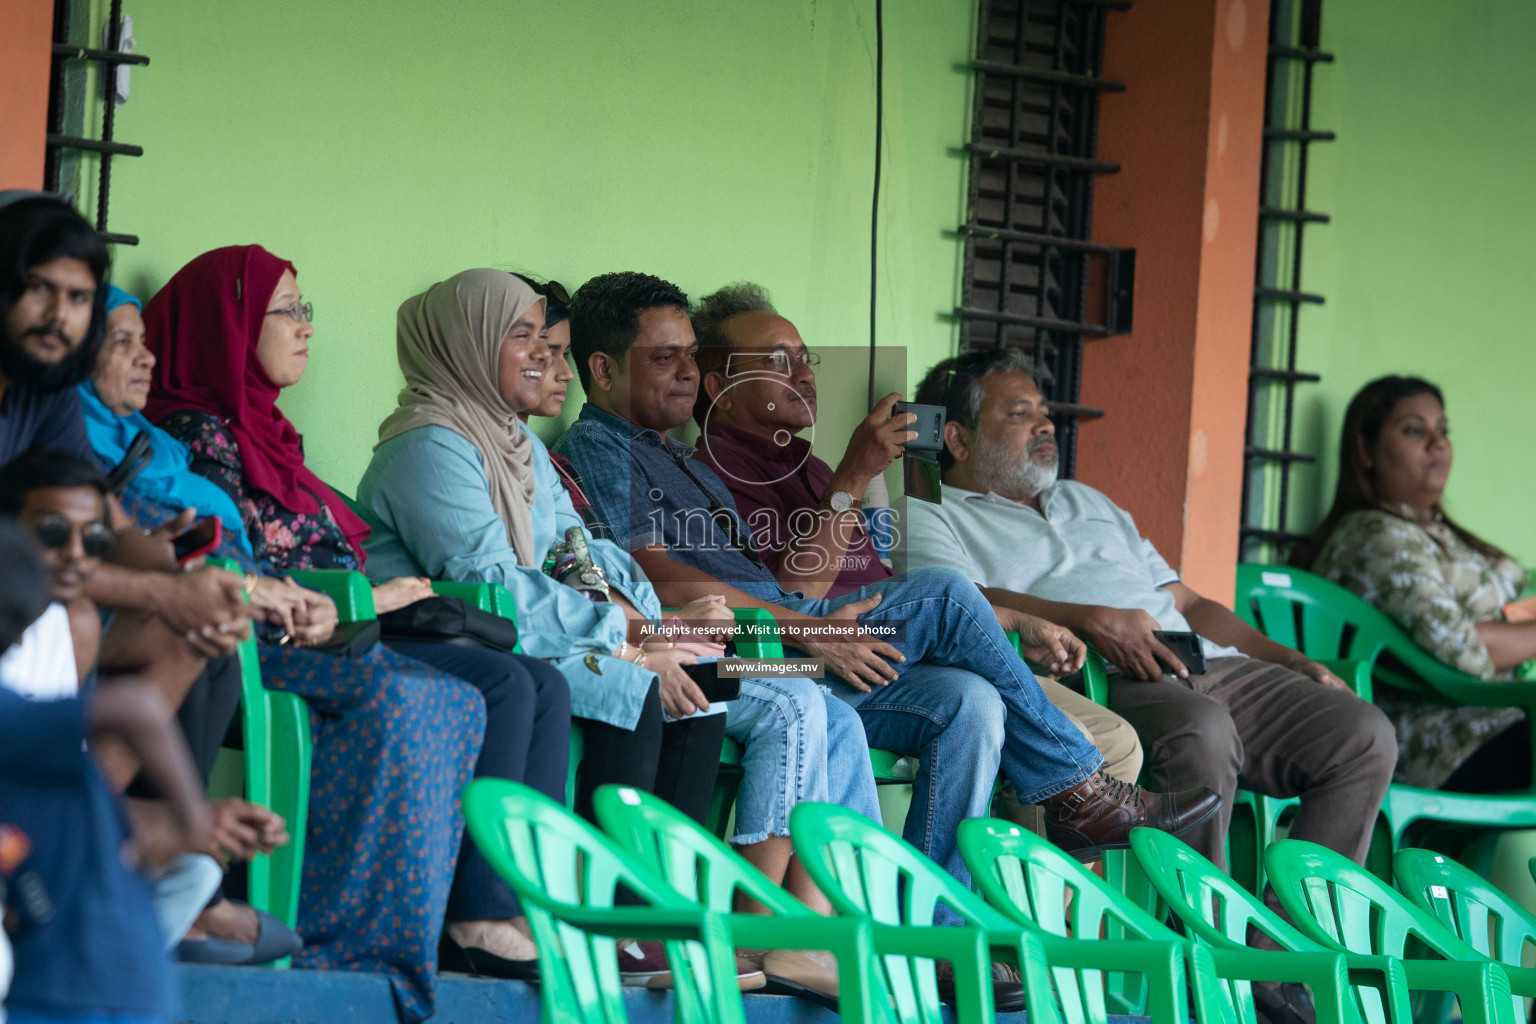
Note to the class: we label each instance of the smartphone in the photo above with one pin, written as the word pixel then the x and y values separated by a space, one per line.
pixel 1186 647
pixel 198 539
pixel 929 426
pixel 713 687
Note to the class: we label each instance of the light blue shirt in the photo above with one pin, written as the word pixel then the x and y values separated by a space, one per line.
pixel 427 498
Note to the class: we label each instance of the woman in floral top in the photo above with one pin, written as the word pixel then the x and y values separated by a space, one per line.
pixel 1388 540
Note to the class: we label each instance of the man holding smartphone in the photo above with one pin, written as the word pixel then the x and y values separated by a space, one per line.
pixel 757 392
pixel 1261 715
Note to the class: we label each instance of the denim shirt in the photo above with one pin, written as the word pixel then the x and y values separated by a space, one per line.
pixel 426 496
pixel 652 491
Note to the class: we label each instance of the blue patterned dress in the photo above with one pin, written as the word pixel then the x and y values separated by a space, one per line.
pixel 395 741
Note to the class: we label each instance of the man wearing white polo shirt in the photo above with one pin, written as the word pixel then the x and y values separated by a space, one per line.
pixel 1261 716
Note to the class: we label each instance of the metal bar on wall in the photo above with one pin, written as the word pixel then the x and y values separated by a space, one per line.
pixel 1030 268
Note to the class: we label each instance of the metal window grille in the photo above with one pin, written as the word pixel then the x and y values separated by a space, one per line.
pixel 1031 274
pixel 70 89
pixel 1279 299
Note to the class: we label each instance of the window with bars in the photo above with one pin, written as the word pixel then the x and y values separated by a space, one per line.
pixel 1031 274
pixel 80 98
pixel 1266 534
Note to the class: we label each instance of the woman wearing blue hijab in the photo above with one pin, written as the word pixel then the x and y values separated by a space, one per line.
pixel 112 400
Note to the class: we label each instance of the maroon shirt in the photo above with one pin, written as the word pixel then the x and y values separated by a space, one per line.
pixel 771 484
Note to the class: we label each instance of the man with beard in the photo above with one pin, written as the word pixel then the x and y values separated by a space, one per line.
pixel 757 390
pixel 1261 716
pixel 166 623
pixel 52 305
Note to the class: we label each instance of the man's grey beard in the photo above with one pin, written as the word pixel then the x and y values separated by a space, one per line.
pixel 1009 475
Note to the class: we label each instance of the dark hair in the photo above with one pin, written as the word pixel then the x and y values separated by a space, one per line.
pixel 605 315
pixel 36 468
pixel 958 385
pixel 39 230
pixel 24 594
pixel 555 298
pixel 1356 490
pixel 709 318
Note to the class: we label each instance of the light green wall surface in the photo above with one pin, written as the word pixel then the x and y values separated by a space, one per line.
pixel 1429 262
pixel 384 146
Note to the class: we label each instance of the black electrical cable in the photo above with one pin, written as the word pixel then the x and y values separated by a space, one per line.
pixel 874 204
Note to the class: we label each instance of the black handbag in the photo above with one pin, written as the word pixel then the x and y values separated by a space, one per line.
pixel 449 620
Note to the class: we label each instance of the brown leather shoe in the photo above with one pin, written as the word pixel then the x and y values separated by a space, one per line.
pixel 1098 814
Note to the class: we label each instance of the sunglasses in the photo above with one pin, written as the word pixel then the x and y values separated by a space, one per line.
pixel 53 532
pixel 556 291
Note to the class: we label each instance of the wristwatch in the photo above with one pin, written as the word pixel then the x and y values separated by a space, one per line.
pixel 842 501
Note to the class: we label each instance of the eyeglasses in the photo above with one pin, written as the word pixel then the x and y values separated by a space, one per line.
pixel 299 312
pixel 556 291
pixel 54 531
pixel 783 362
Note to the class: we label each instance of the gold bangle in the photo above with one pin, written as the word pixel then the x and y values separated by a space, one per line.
pixel 639 658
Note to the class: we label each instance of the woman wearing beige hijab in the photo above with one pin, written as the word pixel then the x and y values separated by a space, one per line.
pixel 458 489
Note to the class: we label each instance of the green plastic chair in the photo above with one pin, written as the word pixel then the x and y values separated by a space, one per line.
pixel 1031 881
pixel 1218 912
pixel 1480 915
pixel 868 872
pixel 1336 902
pixel 275 734
pixel 708 873
pixel 1325 621
pixel 566 874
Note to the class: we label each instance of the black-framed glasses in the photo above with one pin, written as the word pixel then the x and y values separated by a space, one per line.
pixel 298 312
pixel 784 363
pixel 54 531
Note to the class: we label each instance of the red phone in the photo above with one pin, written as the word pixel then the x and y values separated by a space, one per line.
pixel 198 539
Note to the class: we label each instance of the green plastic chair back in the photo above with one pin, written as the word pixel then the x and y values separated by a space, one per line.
pixel 707 872
pixel 1038 886
pixel 349 589
pixel 566 874
pixel 1217 911
pixel 868 872
pixel 1480 915
pixel 1326 621
pixel 696 864
pixel 275 734
pixel 1336 902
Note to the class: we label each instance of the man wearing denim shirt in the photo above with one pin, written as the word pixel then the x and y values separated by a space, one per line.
pixel 634 348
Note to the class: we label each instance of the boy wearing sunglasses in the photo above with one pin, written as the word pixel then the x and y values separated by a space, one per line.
pixel 60 500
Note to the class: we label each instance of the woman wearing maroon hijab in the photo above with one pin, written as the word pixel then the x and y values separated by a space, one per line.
pixel 229 332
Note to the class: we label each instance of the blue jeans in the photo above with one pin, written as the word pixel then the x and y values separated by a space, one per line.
pixel 953 721
pixel 800 743
pixel 949 622
pixel 180 891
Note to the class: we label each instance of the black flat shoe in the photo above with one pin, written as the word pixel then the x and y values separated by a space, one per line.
pixel 483 964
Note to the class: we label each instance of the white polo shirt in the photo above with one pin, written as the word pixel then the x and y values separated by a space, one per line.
pixel 1083 549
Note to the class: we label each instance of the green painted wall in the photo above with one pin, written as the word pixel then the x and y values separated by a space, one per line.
pixel 383 146
pixel 1429 260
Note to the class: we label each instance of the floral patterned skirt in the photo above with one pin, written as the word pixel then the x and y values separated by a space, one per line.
pixel 394 743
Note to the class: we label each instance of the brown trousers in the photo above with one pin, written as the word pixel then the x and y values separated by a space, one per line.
pixel 1253 724
pixel 1113 735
